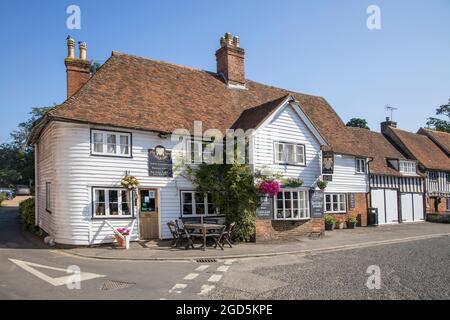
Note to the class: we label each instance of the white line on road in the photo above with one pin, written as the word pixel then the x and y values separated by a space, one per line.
pixel 205 289
pixel 223 268
pixel 178 287
pixel 228 262
pixel 202 268
pixel 215 278
pixel 191 276
pixel 58 281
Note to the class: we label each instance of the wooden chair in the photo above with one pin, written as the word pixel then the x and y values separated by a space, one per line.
pixel 227 235
pixel 216 236
pixel 178 236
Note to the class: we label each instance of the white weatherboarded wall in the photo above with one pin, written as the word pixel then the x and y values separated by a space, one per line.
pixel 74 171
pixel 345 178
pixel 286 126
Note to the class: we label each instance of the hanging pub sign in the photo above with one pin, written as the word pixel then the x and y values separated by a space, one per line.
pixel 264 208
pixel 327 162
pixel 317 203
pixel 159 162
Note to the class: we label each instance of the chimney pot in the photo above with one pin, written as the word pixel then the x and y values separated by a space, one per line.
pixel 236 41
pixel 82 48
pixel 70 48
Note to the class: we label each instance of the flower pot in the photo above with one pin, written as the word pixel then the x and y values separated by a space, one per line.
pixel 120 242
pixel 351 225
pixel 329 227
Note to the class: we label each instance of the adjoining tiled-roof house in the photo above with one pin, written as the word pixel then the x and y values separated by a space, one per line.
pixel 429 149
pixel 396 188
pixel 119 122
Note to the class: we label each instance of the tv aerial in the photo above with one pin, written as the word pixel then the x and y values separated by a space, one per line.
pixel 390 109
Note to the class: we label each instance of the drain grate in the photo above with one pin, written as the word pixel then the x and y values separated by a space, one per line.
pixel 205 260
pixel 115 285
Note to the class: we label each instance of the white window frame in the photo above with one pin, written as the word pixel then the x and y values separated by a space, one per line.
pixel 285 155
pixel 339 202
pixel 118 145
pixel 360 165
pixel 48 197
pixel 307 214
pixel 194 205
pixel 433 175
pixel 107 204
pixel 407 167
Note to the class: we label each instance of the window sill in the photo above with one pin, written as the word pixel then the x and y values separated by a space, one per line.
pixel 111 155
pixel 113 218
pixel 335 212
pixel 290 164
pixel 291 219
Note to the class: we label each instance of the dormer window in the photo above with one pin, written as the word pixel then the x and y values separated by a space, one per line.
pixel 407 167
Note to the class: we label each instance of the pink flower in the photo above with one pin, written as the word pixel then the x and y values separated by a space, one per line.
pixel 270 187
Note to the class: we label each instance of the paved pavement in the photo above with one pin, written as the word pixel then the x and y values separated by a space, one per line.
pixel 32 271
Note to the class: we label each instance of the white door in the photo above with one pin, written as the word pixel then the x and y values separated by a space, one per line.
pixel 418 206
pixel 407 207
pixel 377 197
pixel 391 206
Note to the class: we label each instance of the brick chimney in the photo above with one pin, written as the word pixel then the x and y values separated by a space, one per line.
pixel 77 68
pixel 386 124
pixel 230 60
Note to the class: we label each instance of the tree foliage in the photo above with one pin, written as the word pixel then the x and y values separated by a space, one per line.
pixel 358 123
pixel 441 124
pixel 17 157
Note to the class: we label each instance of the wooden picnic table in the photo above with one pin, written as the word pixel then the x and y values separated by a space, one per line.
pixel 204 227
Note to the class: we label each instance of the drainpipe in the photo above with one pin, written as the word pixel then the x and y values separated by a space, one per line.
pixel 368 203
pixel 36 186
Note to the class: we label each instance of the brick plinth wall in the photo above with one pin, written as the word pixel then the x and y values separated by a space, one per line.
pixel 287 229
pixel 442 205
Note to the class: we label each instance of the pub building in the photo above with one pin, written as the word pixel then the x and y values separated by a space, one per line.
pixel 118 122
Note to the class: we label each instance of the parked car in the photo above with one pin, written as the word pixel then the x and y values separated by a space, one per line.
pixel 22 190
pixel 10 194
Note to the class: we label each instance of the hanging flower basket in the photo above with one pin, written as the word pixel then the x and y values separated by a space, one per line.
pixel 270 187
pixel 130 182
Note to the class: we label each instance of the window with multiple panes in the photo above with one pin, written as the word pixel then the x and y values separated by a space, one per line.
pixel 360 165
pixel 434 175
pixel 291 205
pixel 335 202
pixel 407 167
pixel 447 177
pixel 111 143
pixel 48 196
pixel 197 204
pixel 112 202
pixel 289 153
pixel 201 151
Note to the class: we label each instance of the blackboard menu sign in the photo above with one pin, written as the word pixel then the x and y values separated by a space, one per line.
pixel 264 209
pixel 351 200
pixel 159 162
pixel 317 205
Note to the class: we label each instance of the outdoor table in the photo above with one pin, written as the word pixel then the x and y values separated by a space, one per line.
pixel 204 227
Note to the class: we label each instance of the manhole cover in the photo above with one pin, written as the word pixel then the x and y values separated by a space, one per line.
pixel 115 285
pixel 206 260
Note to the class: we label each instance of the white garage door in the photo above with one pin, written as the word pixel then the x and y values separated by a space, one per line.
pixel 377 196
pixel 412 207
pixel 387 203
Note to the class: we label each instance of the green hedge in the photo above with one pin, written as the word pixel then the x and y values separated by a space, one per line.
pixel 2 198
pixel 26 209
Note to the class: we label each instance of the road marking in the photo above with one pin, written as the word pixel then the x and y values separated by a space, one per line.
pixel 223 268
pixel 202 268
pixel 58 281
pixel 228 262
pixel 205 289
pixel 191 276
pixel 215 278
pixel 178 287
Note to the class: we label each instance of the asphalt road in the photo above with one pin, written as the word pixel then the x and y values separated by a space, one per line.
pixel 412 270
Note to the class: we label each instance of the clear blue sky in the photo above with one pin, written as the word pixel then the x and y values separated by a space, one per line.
pixel 318 47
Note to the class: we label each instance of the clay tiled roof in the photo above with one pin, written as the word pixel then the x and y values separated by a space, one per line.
pixel 139 93
pixel 424 150
pixel 379 149
pixel 442 139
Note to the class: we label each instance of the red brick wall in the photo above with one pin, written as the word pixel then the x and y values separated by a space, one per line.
pixel 230 62
pixel 442 205
pixel 77 74
pixel 287 230
pixel 360 208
